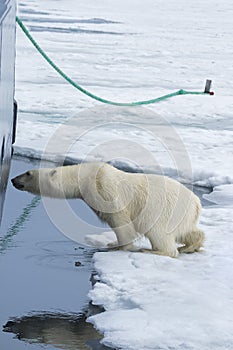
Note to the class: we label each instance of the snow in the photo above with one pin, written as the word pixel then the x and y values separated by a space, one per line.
pixel 108 239
pixel 155 302
pixel 126 51
pixel 126 55
pixel 137 138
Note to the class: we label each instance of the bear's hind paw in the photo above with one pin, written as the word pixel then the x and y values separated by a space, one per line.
pixel 157 252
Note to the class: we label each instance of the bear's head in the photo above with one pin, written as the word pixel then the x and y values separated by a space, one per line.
pixel 39 182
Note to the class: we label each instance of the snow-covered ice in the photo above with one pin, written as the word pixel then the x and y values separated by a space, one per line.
pixel 222 195
pixel 128 51
pixel 155 302
pixel 126 55
pixel 108 239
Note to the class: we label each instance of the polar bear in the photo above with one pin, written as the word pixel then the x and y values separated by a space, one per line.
pixel 133 204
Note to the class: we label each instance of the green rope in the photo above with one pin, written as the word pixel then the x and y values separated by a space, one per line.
pixel 69 80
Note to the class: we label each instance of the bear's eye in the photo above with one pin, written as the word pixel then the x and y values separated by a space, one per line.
pixel 52 172
pixel 28 173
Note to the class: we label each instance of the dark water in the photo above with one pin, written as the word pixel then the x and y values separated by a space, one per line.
pixel 45 277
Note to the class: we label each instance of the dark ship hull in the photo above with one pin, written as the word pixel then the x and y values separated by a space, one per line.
pixel 7 76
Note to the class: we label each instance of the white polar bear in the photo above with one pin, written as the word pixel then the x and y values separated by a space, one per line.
pixel 160 208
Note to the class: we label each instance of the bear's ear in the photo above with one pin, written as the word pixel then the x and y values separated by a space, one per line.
pixel 52 172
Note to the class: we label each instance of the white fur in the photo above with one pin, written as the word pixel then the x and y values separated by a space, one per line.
pixel 156 206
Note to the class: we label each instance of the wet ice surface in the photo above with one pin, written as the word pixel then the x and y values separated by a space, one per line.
pixel 45 277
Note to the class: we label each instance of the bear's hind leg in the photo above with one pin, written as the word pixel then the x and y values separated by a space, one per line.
pixel 192 241
pixel 163 244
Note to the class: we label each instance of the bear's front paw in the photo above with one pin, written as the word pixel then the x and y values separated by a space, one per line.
pixel 113 245
pixel 129 247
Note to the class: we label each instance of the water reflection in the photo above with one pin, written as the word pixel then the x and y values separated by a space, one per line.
pixel 64 331
pixel 18 225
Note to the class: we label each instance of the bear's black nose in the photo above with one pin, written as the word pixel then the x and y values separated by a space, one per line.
pixel 16 183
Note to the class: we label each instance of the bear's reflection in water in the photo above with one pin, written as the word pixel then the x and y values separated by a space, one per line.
pixel 64 331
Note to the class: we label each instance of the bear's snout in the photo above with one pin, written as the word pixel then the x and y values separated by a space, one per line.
pixel 17 183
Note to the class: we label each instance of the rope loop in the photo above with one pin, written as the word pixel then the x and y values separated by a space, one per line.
pixel 88 93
